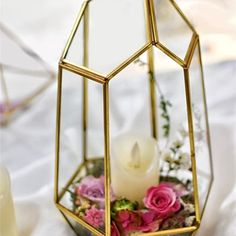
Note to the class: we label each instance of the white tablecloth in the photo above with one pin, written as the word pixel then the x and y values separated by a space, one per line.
pixel 27 145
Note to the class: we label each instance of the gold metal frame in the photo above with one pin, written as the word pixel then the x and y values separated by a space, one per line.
pixel 86 73
pixel 14 69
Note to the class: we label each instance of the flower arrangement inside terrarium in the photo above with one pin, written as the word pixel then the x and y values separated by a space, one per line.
pixel 160 200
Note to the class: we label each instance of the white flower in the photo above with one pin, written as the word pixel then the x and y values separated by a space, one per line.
pixel 177 143
pixel 189 207
pixel 185 162
pixel 166 155
pixel 189 220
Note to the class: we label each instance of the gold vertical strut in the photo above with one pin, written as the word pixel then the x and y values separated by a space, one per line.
pixel 85 83
pixel 151 69
pixel 147 11
pixel 107 168
pixel 152 20
pixel 192 145
pixel 151 72
pixel 58 128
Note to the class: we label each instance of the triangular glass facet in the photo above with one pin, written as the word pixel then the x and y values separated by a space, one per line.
pixel 117 29
pixel 173 30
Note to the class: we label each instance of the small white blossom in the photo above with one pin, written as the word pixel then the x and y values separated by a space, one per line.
pixel 185 162
pixel 189 207
pixel 178 143
pixel 166 155
pixel 189 220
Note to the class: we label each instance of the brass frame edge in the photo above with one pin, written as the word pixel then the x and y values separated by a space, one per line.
pixel 192 145
pixel 78 220
pixel 85 83
pixel 107 167
pixel 83 71
pixel 171 231
pixel 70 181
pixel 170 54
pixel 58 129
pixel 74 30
pixel 128 61
pixel 153 106
pixel 191 50
pixel 175 5
pixel 152 21
pixel 67 220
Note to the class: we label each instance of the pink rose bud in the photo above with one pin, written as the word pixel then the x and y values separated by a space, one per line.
pixel 163 200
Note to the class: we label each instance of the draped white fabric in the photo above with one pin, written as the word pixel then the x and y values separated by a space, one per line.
pixel 27 145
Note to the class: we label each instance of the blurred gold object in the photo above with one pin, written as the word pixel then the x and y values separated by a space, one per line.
pixel 157 39
pixel 19 64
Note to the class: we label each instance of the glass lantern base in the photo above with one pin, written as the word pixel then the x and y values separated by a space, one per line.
pixel 93 171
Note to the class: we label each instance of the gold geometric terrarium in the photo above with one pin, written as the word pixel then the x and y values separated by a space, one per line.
pixel 132 147
pixel 19 65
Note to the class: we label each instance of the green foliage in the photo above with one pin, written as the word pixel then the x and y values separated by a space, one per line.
pixel 97 169
pixel 164 106
pixel 123 204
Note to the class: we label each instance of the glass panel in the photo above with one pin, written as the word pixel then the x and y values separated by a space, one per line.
pixel 76 50
pixel 71 151
pixel 82 181
pixel 95 127
pixel 129 98
pixel 139 164
pixel 110 41
pixel 174 33
pixel 79 229
pixel 173 139
pixel 202 149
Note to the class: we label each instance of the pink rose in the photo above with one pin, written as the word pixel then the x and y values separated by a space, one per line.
pixel 114 229
pixel 163 200
pixel 95 217
pixel 128 221
pixel 93 189
pixel 150 222
pixel 137 221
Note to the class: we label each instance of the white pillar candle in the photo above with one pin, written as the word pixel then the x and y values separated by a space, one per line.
pixel 7 213
pixel 134 166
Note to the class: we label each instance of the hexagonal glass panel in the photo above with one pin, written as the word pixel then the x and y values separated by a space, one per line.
pixel 173 135
pixel 173 31
pixel 81 152
pixel 109 26
pixel 201 133
pixel 131 132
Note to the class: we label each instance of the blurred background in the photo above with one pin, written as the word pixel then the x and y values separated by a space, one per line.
pixel 27 144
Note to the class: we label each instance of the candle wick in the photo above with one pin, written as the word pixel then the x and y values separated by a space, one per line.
pixel 135 156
